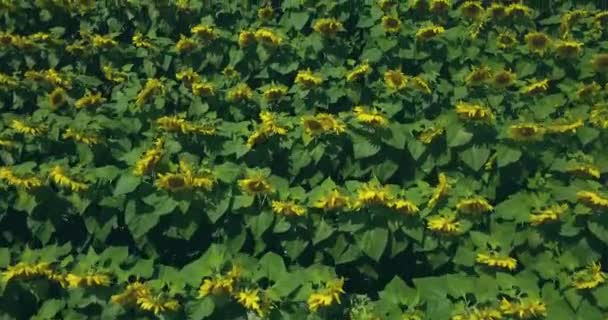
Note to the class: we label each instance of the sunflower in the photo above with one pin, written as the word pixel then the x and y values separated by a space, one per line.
pixel 334 200
pixel 526 132
pixel 395 80
pixel 429 134
pixel 322 123
pixel 205 32
pixel 104 41
pixel 404 206
pixel 548 215
pixel 240 92
pixel 429 32
pixel 89 99
pixel 308 79
pixel 439 6
pixel 568 49
pixel 140 41
pixel 188 76
pixel 536 87
pixel 173 182
pixel 588 91
pixel 203 88
pixel 246 38
pixel 391 24
pixel 472 9
pixel 386 4
pixel 328 27
pixel 479 75
pixel 497 11
pixel 185 44
pixel 152 87
pixel 373 118
pixel 444 224
pixel 157 304
pixel 538 42
pixel 265 13
pixel 274 92
pixel 600 62
pixel 506 39
pixel 421 85
pixel 524 309
pixel 599 116
pixel 565 127
pixel 474 112
pixel 57 97
pixel 267 37
pixel 518 11
pixel 493 259
pixel 474 205
pixel 288 208
pixel 255 183
pixel 504 79
pixel 358 72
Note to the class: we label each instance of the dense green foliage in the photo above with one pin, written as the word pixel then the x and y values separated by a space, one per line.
pixel 421 159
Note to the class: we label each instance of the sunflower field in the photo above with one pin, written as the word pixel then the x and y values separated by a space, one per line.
pixel 303 159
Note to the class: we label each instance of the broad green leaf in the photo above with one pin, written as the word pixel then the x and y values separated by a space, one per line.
pixel 373 242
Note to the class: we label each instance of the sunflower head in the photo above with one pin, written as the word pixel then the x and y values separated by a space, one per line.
pixel 391 24
pixel 600 62
pixel 538 42
pixel 504 79
pixel 568 49
pixel 526 132
pixel 265 13
pixel 429 32
pixel 328 27
pixel 497 11
pixel 57 97
pixel 472 10
pixel 246 38
pixel 439 6
pixel 395 80
pixel 506 40
pixel 478 76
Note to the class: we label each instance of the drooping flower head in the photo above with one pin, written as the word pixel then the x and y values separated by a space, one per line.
pixel 568 49
pixel 548 215
pixel 494 259
pixel 474 205
pixel 538 42
pixel 395 80
pixel 592 199
pixel 526 132
pixel 334 200
pixel 474 112
pixel 358 72
pixel 322 123
pixel 589 278
pixel 444 224
pixel 504 79
pixel 599 62
pixel 429 32
pixel 327 296
pixel 328 27
pixel 255 183
pixel 268 38
pixel 308 79
pixel 472 10
pixel 373 118
pixel 526 308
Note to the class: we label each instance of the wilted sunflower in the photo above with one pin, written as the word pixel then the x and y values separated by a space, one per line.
pixel 472 9
pixel 538 42
pixel 395 80
pixel 328 27
pixel 504 79
pixel 600 62
pixel 203 88
pixel 391 24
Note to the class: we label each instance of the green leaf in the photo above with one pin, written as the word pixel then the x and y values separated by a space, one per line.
pixel 587 135
pixel 322 231
pixel 5 257
pixel 200 309
pixel 458 138
pixel 506 155
pixel 261 222
pixel 475 157
pixel 271 266
pixel 126 184
pixel 373 242
pixel 49 309
pixel 216 211
pixel 363 148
